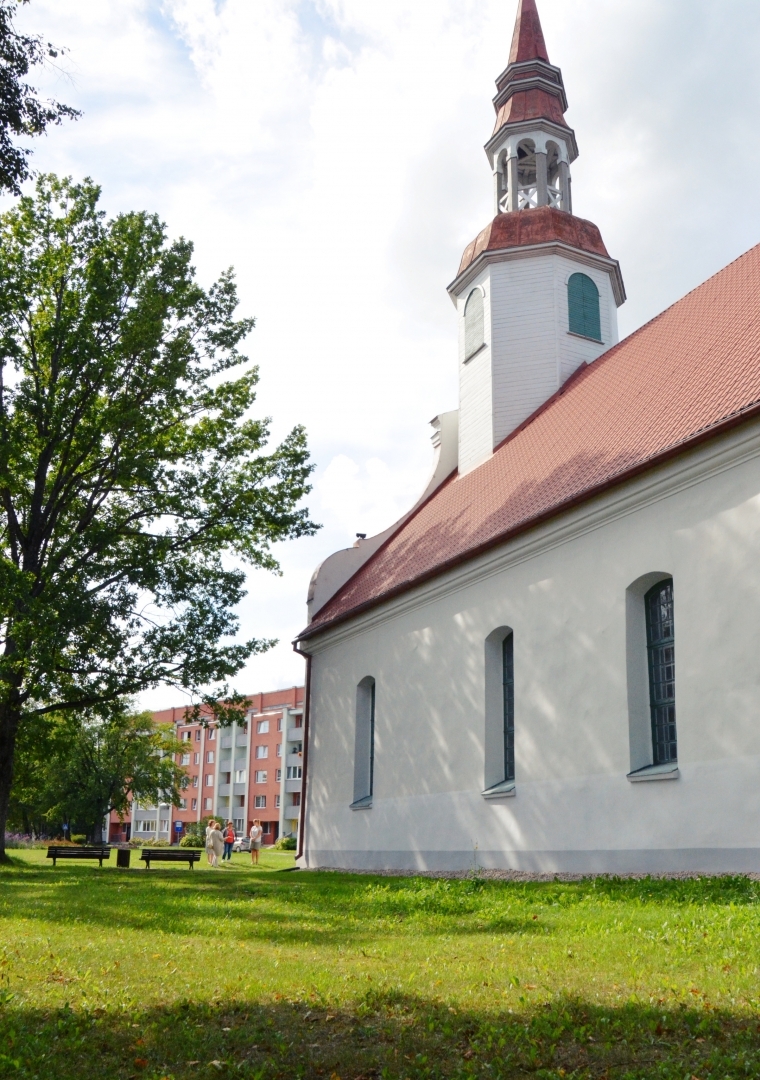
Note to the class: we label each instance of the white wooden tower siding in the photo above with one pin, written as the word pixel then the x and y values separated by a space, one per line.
pixel 531 314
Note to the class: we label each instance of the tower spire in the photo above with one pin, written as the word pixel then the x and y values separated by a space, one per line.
pixel 528 39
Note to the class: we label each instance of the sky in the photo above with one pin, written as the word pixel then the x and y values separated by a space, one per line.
pixel 332 152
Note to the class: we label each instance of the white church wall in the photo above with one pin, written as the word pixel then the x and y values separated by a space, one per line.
pixel 563 591
pixel 475 392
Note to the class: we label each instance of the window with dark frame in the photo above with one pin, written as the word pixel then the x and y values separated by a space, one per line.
pixel 372 739
pixel 658 603
pixel 508 678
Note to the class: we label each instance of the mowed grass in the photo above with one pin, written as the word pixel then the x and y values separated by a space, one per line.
pixel 263 973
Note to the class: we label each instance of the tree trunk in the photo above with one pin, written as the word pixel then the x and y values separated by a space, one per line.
pixel 10 718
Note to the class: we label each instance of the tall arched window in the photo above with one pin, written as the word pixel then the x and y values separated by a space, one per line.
pixel 508 680
pixel 499 734
pixel 474 323
pixel 364 745
pixel 662 671
pixel 583 306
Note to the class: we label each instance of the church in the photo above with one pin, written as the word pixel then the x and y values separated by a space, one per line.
pixel 552 661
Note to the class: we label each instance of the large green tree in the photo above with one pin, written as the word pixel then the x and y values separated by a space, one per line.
pixel 134 486
pixel 22 112
pixel 90 766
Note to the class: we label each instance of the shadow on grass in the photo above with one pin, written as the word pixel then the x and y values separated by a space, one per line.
pixel 283 908
pixel 383 1035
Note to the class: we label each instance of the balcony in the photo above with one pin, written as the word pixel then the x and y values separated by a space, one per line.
pixel 293 785
pixel 241 763
pixel 242 740
pixel 226 742
pixel 238 789
pixel 294 759
pixel 295 734
pixel 224 790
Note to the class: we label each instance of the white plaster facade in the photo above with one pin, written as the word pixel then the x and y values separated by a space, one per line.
pixel 567 591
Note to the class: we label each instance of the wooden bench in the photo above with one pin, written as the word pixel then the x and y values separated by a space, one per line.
pixel 66 851
pixel 188 855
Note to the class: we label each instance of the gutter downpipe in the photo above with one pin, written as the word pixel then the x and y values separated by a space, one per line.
pixel 304 772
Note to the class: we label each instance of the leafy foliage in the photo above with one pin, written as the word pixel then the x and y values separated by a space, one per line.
pixel 22 113
pixel 133 483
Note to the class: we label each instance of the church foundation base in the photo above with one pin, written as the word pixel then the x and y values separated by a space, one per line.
pixel 654 861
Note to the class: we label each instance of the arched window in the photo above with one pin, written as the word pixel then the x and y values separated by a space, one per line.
pixel 499 741
pixel 583 306
pixel 474 323
pixel 508 681
pixel 658 604
pixel 364 745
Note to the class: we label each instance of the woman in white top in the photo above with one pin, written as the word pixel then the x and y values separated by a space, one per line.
pixel 256 834
pixel 217 843
pixel 209 844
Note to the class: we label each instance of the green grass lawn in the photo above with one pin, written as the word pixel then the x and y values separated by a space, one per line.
pixel 259 973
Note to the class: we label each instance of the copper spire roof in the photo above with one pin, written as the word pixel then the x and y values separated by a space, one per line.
pixel 528 39
pixel 688 375
pixel 531 88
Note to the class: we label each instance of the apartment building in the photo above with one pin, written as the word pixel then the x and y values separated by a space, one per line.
pixel 250 770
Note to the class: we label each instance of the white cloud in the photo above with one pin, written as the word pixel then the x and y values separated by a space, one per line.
pixel 332 151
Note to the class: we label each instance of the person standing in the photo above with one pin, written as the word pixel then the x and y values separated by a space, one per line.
pixel 209 843
pixel 229 840
pixel 256 834
pixel 217 844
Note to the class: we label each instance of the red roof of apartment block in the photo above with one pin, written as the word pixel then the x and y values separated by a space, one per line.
pixel 690 373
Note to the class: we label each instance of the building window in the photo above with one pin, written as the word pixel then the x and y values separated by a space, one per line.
pixel 207 804
pixel 260 802
pixel 278 776
pixel 261 777
pixel 196 759
pixel 658 604
pixel 183 804
pixel 266 828
pixel 474 323
pixel 262 727
pixel 241 776
pixel 146 826
pixel 187 736
pixel 198 735
pixel 211 734
pixel 296 798
pixel 210 757
pixel 508 677
pixel 583 307
pixel 279 724
pixel 364 744
pixel 195 781
pixel 294 773
pixel 277 802
pixel 194 804
pixel 279 749
pixel 499 734
pixel 209 780
pixel 262 751
pixel 185 759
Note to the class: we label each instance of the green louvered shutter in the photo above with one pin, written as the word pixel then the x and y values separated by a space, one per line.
pixel 474 327
pixel 583 305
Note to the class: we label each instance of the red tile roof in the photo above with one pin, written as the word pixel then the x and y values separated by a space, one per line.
pixel 542 225
pixel 689 374
pixel 528 39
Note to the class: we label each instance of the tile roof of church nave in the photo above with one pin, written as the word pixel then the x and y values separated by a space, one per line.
pixel 687 375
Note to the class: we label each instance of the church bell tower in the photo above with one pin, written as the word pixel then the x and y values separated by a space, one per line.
pixel 536 292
